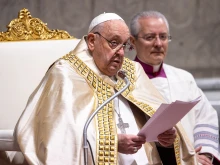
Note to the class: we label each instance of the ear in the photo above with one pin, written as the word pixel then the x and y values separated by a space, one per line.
pixel 91 41
pixel 132 41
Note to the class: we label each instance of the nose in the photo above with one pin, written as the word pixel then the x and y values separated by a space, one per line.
pixel 158 42
pixel 120 51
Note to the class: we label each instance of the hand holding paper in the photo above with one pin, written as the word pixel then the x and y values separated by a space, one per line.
pixel 166 117
pixel 167 138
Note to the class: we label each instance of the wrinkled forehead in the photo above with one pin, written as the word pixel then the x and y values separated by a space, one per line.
pixel 115 28
pixel 153 24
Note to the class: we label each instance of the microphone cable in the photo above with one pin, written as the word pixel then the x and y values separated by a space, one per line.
pixel 93 160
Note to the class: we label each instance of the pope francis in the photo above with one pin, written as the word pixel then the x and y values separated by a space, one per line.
pixel 50 130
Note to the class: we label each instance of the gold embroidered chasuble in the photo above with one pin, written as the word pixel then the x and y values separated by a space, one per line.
pixel 106 127
pixel 141 93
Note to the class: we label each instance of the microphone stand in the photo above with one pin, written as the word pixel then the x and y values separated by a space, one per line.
pixel 85 145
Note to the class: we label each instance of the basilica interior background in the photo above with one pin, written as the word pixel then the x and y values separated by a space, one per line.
pixel 194 26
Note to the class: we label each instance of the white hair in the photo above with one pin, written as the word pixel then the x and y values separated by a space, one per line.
pixel 135 26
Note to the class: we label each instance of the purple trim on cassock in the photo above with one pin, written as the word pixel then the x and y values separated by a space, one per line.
pixel 206 125
pixel 149 70
pixel 206 135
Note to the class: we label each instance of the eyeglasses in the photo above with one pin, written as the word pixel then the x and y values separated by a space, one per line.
pixel 152 37
pixel 115 45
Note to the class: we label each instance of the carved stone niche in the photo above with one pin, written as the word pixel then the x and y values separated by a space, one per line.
pixel 27 28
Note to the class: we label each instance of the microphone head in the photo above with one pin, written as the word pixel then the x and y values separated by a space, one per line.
pixel 121 74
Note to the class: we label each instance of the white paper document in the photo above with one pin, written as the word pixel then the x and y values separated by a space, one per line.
pixel 166 117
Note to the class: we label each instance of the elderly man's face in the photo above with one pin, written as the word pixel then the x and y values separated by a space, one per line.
pixel 152 42
pixel 106 46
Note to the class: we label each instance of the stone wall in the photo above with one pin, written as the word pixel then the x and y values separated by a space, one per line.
pixel 194 24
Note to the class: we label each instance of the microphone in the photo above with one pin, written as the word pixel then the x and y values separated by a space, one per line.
pixel 122 75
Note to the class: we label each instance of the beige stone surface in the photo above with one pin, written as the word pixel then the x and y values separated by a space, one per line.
pixel 194 24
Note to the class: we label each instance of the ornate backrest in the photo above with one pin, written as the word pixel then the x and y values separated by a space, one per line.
pixel 25 27
pixel 25 61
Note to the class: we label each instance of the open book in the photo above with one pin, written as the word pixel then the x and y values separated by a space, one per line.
pixel 166 117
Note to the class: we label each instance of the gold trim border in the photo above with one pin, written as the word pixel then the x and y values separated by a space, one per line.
pixel 107 141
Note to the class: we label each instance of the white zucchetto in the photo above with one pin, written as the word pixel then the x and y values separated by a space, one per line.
pixel 102 18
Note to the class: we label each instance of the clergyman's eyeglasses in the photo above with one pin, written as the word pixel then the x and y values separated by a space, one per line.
pixel 151 37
